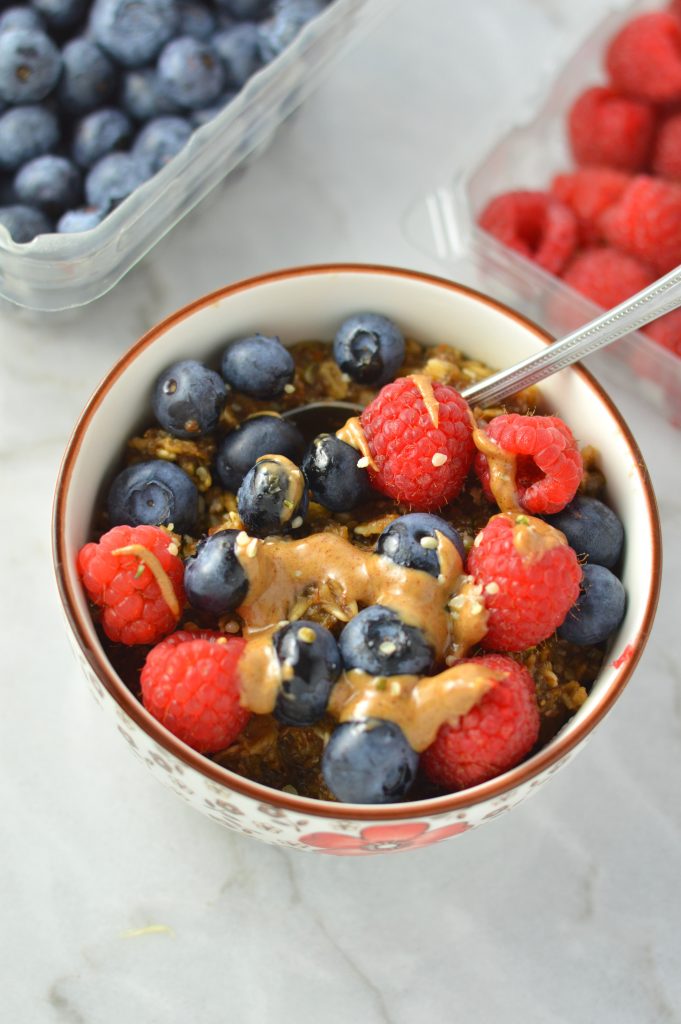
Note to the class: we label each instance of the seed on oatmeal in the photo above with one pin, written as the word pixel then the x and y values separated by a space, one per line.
pixel 297 522
pixel 289 389
pixel 173 549
pixel 439 459
pixel 430 543
pixel 363 462
pixel 288 788
pixel 231 627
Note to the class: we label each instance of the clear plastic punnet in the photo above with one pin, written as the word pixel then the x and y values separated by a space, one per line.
pixel 444 223
pixel 60 271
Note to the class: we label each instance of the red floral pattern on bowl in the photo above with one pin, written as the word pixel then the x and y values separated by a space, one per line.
pixel 382 838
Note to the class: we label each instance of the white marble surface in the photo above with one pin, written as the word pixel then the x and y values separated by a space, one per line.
pixel 565 910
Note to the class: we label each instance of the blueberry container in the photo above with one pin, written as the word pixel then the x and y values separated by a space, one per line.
pixel 60 271
pixel 527 156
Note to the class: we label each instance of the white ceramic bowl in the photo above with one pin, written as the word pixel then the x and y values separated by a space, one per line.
pixel 305 303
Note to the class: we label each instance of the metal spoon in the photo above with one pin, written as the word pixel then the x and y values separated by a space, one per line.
pixel 660 297
pixel 652 302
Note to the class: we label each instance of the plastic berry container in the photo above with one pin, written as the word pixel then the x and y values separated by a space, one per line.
pixel 527 156
pixel 61 271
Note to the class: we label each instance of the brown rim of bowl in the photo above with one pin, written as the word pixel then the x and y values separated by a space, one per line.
pixel 543 759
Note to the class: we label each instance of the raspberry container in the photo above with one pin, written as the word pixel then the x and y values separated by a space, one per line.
pixel 55 272
pixel 527 156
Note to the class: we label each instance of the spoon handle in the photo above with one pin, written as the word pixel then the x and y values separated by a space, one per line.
pixel 660 297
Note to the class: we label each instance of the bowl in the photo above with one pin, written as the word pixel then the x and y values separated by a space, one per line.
pixel 309 302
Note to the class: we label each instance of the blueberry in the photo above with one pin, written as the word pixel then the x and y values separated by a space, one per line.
pixel 30 65
pixel 244 9
pixel 272 497
pixel 195 20
pixel 369 762
pixel 142 95
pixel 88 78
pixel 333 476
pixel 83 219
pixel 214 580
pixel 24 222
pixel 188 399
pixel 378 642
pixel 238 50
pixel 61 14
pixel 26 132
pixel 134 31
pixel 260 435
pixel 160 140
pixel 258 366
pixel 403 541
pixel 598 610
pixel 369 348
pixel 592 529
pixel 21 17
pixel 311 664
pixel 153 493
pixel 288 18
pixel 113 178
pixel 52 183
pixel 98 134
pixel 191 72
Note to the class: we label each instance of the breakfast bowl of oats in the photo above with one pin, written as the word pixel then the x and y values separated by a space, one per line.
pixel 321 597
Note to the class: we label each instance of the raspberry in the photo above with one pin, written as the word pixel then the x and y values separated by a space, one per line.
pixel 192 687
pixel 667 331
pixel 607 276
pixel 644 58
pixel 667 152
pixel 134 578
pixel 646 222
pixel 610 130
pixel 493 736
pixel 588 192
pixel 535 224
pixel 418 463
pixel 548 464
pixel 529 577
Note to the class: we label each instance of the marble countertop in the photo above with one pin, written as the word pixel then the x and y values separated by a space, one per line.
pixel 565 910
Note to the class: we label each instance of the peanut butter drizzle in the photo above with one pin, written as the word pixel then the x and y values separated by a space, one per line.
pixel 280 571
pixel 469 617
pixel 418 706
pixel 502 471
pixel 425 385
pixel 260 673
pixel 532 537
pixel 296 484
pixel 353 434
pixel 149 559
